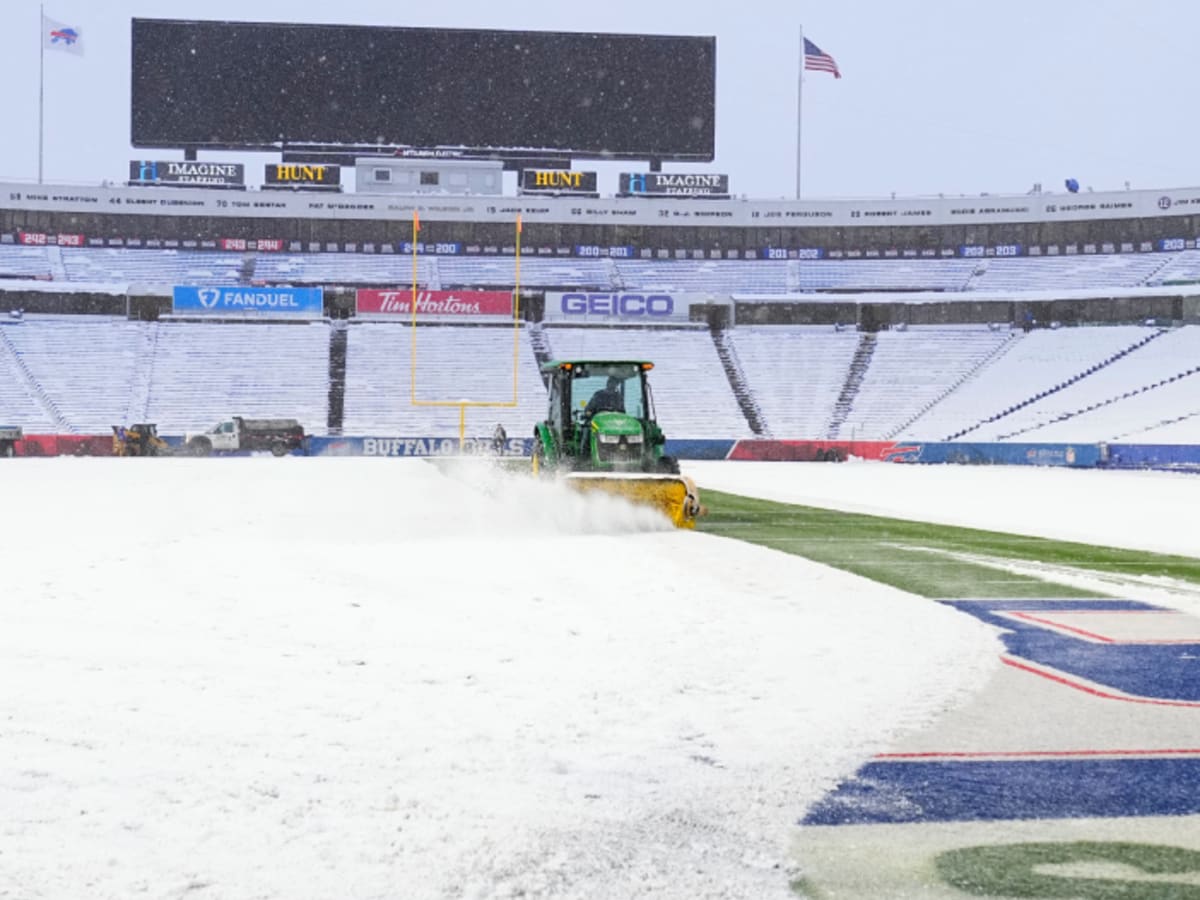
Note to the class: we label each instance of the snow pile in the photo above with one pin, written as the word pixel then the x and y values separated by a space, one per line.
pixel 314 678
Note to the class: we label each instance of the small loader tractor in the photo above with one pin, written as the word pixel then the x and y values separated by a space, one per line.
pixel 138 440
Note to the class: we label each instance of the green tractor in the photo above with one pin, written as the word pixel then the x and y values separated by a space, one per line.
pixel 600 434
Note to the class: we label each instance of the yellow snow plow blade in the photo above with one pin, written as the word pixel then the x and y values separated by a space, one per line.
pixel 673 495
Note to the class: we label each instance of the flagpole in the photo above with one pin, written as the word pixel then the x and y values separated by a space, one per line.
pixel 41 84
pixel 799 108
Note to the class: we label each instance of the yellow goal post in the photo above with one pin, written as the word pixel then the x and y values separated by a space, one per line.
pixel 516 357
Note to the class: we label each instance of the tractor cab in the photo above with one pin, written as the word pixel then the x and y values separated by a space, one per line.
pixel 601 415
pixel 600 434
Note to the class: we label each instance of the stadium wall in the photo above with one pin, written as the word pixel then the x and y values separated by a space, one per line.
pixel 660 228
pixel 1172 457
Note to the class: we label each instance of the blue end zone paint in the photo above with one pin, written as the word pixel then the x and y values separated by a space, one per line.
pixel 1157 671
pixel 899 792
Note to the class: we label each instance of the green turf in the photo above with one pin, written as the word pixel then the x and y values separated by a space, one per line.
pixel 886 550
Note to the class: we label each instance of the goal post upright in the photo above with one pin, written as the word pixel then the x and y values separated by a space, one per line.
pixel 412 354
pixel 516 308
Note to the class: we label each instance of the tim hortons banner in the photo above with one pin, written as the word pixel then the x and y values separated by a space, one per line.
pixel 443 304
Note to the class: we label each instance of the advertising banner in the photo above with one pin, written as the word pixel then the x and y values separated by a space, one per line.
pixel 982 454
pixel 1182 457
pixel 186 174
pixel 272 302
pixel 443 304
pixel 624 308
pixel 668 184
pixel 308 176
pixel 415 446
pixel 823 451
pixel 557 181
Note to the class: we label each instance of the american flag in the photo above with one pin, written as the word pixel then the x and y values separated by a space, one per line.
pixel 818 60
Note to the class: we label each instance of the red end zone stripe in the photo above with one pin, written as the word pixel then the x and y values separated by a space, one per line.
pixel 1087 689
pixel 1100 638
pixel 1036 754
pixel 1058 626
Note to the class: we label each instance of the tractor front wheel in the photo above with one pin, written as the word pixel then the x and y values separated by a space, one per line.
pixel 668 464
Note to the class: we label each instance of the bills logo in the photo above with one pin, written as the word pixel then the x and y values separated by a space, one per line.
pixel 66 36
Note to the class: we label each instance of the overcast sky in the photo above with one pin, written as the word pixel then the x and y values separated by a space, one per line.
pixel 937 96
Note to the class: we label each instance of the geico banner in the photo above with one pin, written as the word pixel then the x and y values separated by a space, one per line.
pixel 644 307
pixel 270 302
pixel 454 304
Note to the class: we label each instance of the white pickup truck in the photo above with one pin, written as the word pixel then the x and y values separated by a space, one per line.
pixel 279 436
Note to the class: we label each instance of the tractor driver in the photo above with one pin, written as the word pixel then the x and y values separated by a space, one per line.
pixel 607 399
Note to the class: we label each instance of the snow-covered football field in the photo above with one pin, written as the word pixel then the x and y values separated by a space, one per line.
pixel 315 678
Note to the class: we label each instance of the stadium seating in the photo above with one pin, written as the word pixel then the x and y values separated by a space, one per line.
pixel 796 373
pixel 163 268
pixel 341 268
pixel 82 368
pixel 152 268
pixel 692 392
pixel 1163 410
pixel 1180 268
pixel 911 370
pixel 692 276
pixel 25 262
pixel 204 372
pixel 884 275
pixel 83 374
pixel 1179 428
pixel 470 271
pixel 23 401
pixel 1032 363
pixel 1067 272
pixel 453 363
pixel 1146 387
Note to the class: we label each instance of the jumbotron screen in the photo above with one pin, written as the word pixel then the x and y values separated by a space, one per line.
pixel 240 85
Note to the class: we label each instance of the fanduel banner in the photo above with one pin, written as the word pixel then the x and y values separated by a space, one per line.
pixel 557 181
pixel 668 184
pixel 247 301
pixel 186 174
pixel 455 304
pixel 643 308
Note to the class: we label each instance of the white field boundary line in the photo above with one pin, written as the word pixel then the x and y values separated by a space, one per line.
pixel 1158 590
